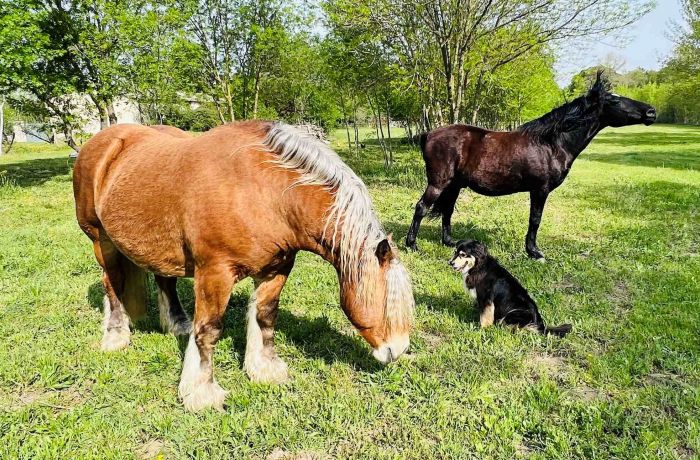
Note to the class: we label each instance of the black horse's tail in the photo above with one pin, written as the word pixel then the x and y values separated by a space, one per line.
pixel 559 331
pixel 446 201
pixel 421 139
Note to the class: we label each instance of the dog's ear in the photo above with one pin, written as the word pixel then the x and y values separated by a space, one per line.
pixel 481 250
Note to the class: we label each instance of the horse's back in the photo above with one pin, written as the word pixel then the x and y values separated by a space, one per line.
pixel 171 130
pixel 185 199
pixel 489 162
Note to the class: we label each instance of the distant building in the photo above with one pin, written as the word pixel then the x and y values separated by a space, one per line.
pixel 125 110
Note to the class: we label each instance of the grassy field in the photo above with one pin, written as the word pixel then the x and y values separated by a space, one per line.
pixel 622 239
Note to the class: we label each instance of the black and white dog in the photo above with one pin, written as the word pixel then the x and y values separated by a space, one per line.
pixel 500 298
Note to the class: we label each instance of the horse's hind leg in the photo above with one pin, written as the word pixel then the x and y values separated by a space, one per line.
pixel 116 333
pixel 198 389
pixel 261 361
pixel 423 206
pixel 172 317
pixel 446 207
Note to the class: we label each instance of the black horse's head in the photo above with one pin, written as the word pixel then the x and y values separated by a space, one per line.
pixel 616 111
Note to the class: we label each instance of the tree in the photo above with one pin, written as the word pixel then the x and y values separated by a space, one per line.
pixel 160 65
pixel 452 47
pixel 38 71
pixel 675 89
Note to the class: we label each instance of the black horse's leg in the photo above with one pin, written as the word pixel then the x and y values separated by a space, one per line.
pixel 429 197
pixel 537 200
pixel 447 202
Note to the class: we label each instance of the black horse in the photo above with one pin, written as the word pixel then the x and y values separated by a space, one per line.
pixel 534 158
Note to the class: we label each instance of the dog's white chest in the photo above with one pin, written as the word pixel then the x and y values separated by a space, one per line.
pixel 471 291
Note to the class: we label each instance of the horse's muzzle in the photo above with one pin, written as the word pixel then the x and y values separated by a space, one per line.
pixel 649 116
pixel 391 350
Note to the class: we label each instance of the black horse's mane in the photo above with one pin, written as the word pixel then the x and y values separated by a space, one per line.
pixel 569 116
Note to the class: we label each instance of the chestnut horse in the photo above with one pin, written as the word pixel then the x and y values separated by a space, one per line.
pixel 173 131
pixel 239 201
pixel 535 158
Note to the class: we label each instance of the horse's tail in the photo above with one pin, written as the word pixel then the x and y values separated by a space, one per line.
pixel 446 200
pixel 135 296
pixel 559 331
pixel 421 140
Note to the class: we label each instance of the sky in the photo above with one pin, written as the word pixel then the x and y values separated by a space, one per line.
pixel 647 45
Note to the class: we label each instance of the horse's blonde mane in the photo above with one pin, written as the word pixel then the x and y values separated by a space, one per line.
pixel 351 215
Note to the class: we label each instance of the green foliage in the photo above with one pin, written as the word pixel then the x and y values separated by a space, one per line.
pixel 160 65
pixel 200 119
pixel 461 61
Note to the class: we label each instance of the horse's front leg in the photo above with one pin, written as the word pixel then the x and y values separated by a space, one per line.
pixel 261 361
pixel 538 199
pixel 198 389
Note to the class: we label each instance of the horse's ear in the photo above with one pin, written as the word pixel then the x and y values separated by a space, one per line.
pixel 383 251
pixel 599 88
pixel 598 78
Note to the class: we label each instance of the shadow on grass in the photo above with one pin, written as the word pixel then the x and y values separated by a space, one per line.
pixel 36 172
pixel 431 229
pixel 462 306
pixel 314 337
pixel 647 198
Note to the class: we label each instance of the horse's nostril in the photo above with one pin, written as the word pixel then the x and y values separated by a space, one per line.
pixel 651 113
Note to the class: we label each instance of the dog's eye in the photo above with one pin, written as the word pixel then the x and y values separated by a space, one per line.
pixel 462 254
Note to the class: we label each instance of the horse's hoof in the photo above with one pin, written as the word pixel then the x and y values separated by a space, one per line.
pixel 266 370
pixel 541 260
pixel 412 247
pixel 536 255
pixel 115 339
pixel 181 327
pixel 207 395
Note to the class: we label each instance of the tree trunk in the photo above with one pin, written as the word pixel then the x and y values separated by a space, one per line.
pixel 111 114
pixel 345 119
pixel 425 119
pixel 101 111
pixel 449 80
pixel 10 141
pixel 229 101
pixel 67 132
pixel 388 132
pixel 256 90
pixel 245 97
pixel 220 112
pixel 380 131
pixel 354 126
pixel 2 122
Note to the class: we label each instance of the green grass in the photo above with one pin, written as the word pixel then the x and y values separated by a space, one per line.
pixel 622 239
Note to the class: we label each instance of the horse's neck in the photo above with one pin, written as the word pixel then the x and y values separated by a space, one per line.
pixel 574 142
